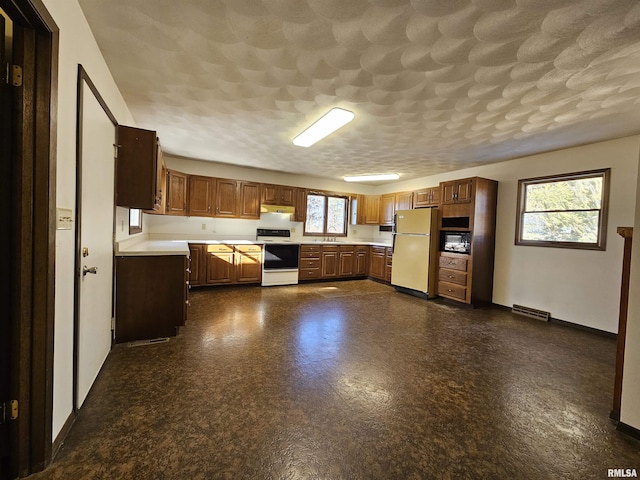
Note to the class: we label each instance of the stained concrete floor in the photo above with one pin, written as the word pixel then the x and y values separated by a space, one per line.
pixel 350 380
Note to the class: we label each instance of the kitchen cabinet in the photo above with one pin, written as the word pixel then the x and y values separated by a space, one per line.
pixel 248 263
pixel 330 261
pixel 196 265
pixel 361 261
pixel 388 259
pixel 300 206
pixel 469 205
pixel 404 201
pixel 456 191
pixel 427 197
pixel 372 209
pixel 278 195
pixel 377 267
pixel 310 258
pixel 220 268
pixel 226 195
pixel 346 260
pixel 151 296
pixel 249 199
pixel 387 208
pixel 139 170
pixel 176 193
pixel 201 196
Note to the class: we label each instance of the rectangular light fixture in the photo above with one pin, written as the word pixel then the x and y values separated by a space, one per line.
pixel 372 178
pixel 329 123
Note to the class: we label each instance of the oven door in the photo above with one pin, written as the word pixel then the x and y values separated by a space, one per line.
pixel 281 256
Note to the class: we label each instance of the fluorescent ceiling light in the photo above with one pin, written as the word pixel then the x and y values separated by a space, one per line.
pixel 329 123
pixel 372 178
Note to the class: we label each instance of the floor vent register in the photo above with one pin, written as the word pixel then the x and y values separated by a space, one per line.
pixel 531 312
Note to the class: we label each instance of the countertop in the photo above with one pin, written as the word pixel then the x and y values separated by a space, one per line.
pixel 141 247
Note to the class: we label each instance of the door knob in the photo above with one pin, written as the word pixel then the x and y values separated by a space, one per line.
pixel 86 270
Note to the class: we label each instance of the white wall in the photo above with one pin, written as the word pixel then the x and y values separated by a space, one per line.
pixel 77 46
pixel 629 408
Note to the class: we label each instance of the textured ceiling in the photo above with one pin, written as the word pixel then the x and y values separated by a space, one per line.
pixel 436 85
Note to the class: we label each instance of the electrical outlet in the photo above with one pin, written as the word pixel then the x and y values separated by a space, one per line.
pixel 204 226
pixel 355 232
pixel 293 229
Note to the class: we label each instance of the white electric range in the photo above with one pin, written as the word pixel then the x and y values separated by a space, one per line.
pixel 280 258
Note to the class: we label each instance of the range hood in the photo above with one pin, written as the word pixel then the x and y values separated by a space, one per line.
pixel 277 209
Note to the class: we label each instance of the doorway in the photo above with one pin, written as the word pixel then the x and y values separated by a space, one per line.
pixel 27 245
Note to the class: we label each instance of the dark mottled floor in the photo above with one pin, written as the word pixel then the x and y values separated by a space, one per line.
pixel 350 380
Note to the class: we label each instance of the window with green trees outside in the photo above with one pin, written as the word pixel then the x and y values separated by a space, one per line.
pixel 568 211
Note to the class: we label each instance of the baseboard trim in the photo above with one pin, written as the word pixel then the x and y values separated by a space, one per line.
pixel 64 431
pixel 628 430
pixel 565 323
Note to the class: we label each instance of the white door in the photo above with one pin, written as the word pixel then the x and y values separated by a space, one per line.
pixel 95 276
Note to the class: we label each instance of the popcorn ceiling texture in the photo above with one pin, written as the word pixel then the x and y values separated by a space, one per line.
pixel 436 85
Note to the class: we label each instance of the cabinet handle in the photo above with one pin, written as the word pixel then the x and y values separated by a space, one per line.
pixel 188 270
pixel 449 290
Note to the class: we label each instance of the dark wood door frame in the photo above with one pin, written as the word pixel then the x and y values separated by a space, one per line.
pixel 32 232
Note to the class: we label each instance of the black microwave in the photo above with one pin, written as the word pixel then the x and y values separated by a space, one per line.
pixel 458 242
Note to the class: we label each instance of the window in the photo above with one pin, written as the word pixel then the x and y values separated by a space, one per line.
pixel 135 221
pixel 326 215
pixel 567 211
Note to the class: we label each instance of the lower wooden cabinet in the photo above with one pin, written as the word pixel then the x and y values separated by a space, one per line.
pixel 361 261
pixel 329 261
pixel 222 264
pixel 333 261
pixel 388 253
pixel 377 267
pixel 453 276
pixel 151 296
pixel 346 260
pixel 310 258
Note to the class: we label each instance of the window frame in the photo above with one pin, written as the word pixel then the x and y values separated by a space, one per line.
pixel 324 232
pixel 135 227
pixel 600 244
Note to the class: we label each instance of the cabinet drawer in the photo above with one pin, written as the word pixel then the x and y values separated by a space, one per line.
pixel 308 273
pixel 304 254
pixel 330 248
pixel 249 248
pixel 220 248
pixel 361 248
pixel 453 263
pixel 452 276
pixel 310 248
pixel 310 263
pixel 378 250
pixel 347 248
pixel 450 290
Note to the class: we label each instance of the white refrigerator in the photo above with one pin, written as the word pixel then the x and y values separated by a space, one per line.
pixel 413 268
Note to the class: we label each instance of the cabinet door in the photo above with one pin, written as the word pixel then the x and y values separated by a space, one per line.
pixel 137 168
pixel 287 196
pixel 248 264
pixel 201 196
pixel 388 209
pixel 361 263
pixel 176 193
pixel 269 194
pixel 434 197
pixel 372 209
pixel 346 264
pixel 300 214
pixel 422 198
pixel 464 191
pixel 226 198
pixel 329 264
pixel 220 266
pixel 449 190
pixel 377 266
pixel 249 200
pixel 196 254
pixel 404 201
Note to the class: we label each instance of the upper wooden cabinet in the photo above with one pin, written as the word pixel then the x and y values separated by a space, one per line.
pixel 139 169
pixel 404 201
pixel 372 209
pixel 249 200
pixel 387 208
pixel 456 191
pixel 300 214
pixel 226 198
pixel 427 197
pixel 201 196
pixel 278 195
pixel 176 193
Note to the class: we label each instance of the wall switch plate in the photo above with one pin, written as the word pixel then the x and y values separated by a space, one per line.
pixel 64 219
